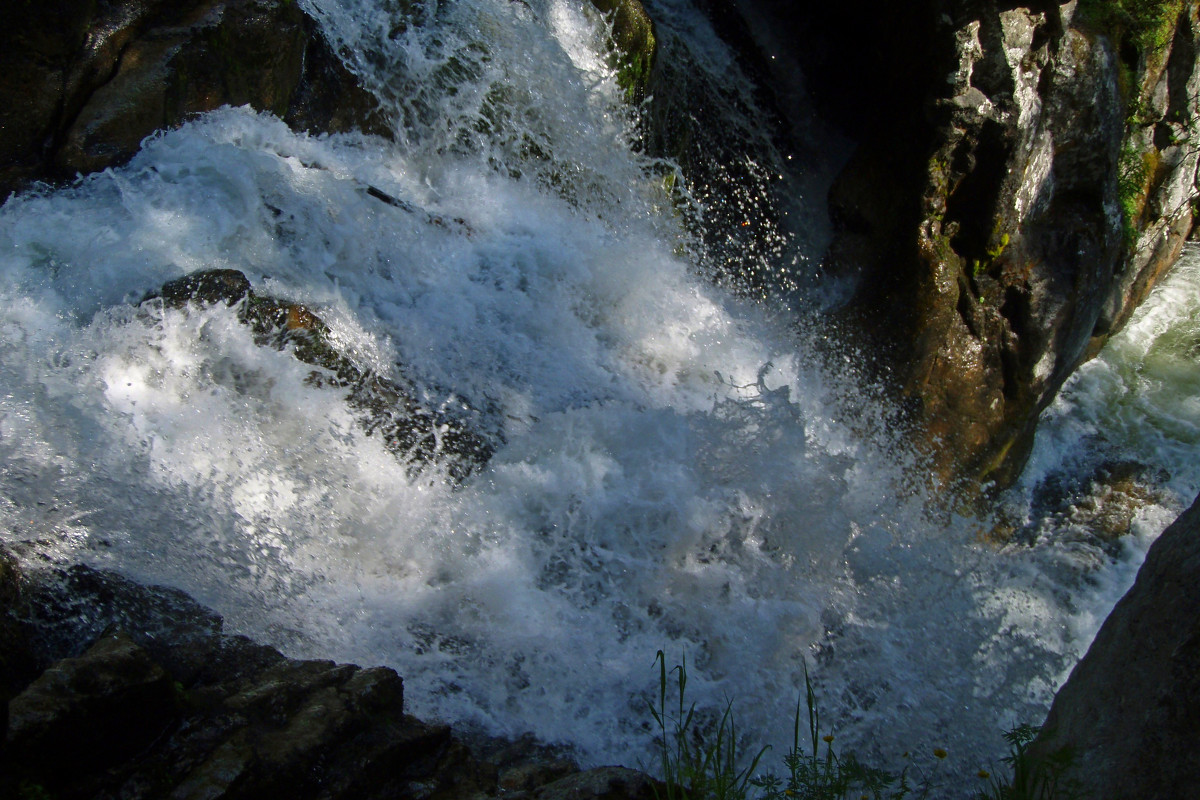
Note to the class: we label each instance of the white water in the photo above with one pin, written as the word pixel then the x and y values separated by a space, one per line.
pixel 676 469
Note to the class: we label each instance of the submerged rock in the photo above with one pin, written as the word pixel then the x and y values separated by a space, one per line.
pixel 82 84
pixel 1127 721
pixel 415 432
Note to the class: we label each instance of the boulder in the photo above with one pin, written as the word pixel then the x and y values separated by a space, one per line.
pixel 1024 173
pixel 414 431
pixel 173 707
pixel 17 663
pixel 105 705
pixel 82 84
pixel 1127 720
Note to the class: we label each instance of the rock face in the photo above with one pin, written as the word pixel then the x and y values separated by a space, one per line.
pixel 82 83
pixel 142 696
pixel 1130 712
pixel 1024 173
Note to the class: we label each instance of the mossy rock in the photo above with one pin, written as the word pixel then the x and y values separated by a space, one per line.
pixel 635 45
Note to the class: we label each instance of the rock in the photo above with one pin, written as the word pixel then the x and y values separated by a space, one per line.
pixel 81 84
pixel 731 143
pixel 177 709
pixel 1129 714
pixel 602 783
pixel 414 432
pixel 105 705
pixel 635 46
pixel 1094 505
pixel 1024 173
pixel 1018 261
pixel 66 610
pixel 17 664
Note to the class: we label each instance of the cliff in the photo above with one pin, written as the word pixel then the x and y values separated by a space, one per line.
pixel 1023 174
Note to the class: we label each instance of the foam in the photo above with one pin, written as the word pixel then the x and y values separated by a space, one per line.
pixel 677 468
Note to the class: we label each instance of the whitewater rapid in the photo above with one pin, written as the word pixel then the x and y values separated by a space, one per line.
pixel 676 468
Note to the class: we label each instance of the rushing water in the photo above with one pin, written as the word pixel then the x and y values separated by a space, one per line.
pixel 675 468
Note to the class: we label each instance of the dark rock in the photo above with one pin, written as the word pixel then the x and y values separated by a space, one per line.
pixel 410 429
pixel 67 610
pixel 726 147
pixel 81 84
pixel 212 286
pixel 635 46
pixel 1024 173
pixel 1128 718
pixel 180 710
pixel 105 705
pixel 602 783
pixel 18 665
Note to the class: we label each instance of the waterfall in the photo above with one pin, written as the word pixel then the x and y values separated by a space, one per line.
pixel 674 465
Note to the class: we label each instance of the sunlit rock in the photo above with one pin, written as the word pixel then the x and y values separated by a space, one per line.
pixel 412 430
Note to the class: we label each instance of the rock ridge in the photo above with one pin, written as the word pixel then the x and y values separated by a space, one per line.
pixel 147 697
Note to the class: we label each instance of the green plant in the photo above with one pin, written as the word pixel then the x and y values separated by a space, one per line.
pixel 1032 778
pixel 1145 24
pixel 1133 174
pixel 704 765
pixel 693 768
pixel 811 774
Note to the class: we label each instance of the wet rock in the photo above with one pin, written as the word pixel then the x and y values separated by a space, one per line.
pixel 107 704
pixel 17 663
pixel 602 783
pixel 1023 174
pixel 725 147
pixel 1128 718
pixel 389 409
pixel 175 708
pixel 635 46
pixel 1096 506
pixel 81 84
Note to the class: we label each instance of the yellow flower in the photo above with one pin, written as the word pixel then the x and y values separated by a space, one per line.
pixel 827 738
pixel 939 752
pixel 983 773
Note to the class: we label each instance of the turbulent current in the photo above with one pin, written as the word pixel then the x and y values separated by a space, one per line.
pixel 675 466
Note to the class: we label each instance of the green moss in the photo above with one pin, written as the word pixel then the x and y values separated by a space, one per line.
pixel 1134 173
pixel 1147 25
pixel 635 45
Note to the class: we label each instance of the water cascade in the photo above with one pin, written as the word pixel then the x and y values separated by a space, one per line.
pixel 674 465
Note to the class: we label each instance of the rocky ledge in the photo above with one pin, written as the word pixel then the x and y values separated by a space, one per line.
pixel 113 689
pixel 85 82
pixel 1023 173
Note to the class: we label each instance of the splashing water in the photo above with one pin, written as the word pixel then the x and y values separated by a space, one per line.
pixel 675 467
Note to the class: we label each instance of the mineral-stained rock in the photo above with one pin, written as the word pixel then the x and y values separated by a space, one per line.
pixel 1129 715
pixel 409 429
pixel 81 84
pixel 1024 173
